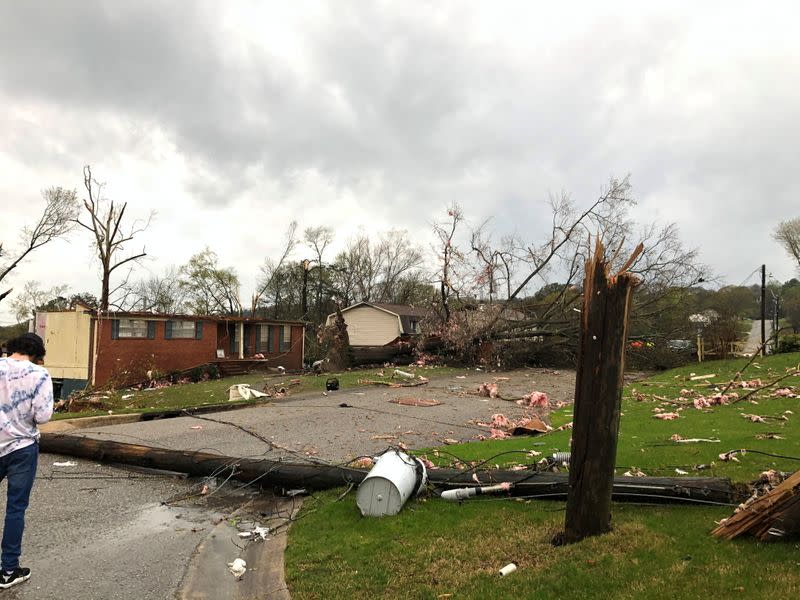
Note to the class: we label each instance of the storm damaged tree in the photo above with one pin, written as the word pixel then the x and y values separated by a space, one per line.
pixel 272 277
pixel 105 220
pixel 56 220
pixel 494 281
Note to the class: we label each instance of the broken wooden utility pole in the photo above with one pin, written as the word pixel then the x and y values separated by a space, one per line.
pixel 287 475
pixel 598 393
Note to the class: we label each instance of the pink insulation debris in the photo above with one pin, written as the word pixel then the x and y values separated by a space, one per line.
pixel 669 416
pixel 535 399
pixel 500 421
pixel 498 434
pixel 715 400
pixel 784 393
pixel 489 390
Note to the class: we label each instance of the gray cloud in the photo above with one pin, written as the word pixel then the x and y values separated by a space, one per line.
pixel 419 105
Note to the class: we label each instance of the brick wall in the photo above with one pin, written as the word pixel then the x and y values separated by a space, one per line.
pixel 127 360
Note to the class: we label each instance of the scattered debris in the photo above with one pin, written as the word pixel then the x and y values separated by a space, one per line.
pixel 257 533
pixel 197 427
pixel 634 472
pixel 681 440
pixel 753 418
pixel 771 513
pixel 535 399
pixel 681 472
pixel 332 384
pixel 403 374
pixel 460 494
pixel 411 401
pixel 489 390
pixel 243 391
pixel 68 463
pixel 508 569
pixel 700 377
pixel 669 416
pixel 237 568
pixel 769 436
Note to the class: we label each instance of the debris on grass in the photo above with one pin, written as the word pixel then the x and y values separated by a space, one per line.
pixel 701 377
pixel 681 440
pixel 666 416
pixel 754 418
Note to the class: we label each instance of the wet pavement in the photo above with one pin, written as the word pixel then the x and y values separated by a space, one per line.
pixel 97 532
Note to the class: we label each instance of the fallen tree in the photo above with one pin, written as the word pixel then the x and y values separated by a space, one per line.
pixel 318 476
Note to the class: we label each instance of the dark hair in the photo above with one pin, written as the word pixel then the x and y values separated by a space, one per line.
pixel 28 344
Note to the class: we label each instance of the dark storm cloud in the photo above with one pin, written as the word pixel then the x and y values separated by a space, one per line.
pixel 407 95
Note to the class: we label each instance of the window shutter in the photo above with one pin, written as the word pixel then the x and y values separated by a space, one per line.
pixel 258 338
pixel 280 338
pixel 198 330
pixel 115 329
pixel 168 330
pixel 151 330
pixel 271 338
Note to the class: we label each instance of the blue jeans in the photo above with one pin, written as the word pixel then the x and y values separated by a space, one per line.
pixel 20 469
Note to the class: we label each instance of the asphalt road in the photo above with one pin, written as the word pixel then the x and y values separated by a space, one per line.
pixel 99 532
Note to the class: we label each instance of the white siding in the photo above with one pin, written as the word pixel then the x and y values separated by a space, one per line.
pixel 367 326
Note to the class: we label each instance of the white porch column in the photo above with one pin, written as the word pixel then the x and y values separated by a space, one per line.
pixel 241 339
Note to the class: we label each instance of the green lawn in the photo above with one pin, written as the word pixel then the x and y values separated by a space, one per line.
pixel 434 549
pixel 215 392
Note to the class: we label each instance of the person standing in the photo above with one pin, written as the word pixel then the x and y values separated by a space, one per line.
pixel 26 400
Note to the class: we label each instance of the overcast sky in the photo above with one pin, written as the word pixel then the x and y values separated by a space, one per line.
pixel 231 119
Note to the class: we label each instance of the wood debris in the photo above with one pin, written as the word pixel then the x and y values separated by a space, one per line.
pixel 772 515
pixel 411 401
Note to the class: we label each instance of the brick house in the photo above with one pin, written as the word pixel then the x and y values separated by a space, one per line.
pixel 121 347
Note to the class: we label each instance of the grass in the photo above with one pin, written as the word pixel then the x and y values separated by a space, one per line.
pixel 215 392
pixel 434 549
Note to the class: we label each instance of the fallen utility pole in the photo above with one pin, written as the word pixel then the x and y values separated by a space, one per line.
pixel 280 474
pixel 598 395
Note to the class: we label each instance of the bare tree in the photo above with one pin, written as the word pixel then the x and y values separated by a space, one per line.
pixel 158 293
pixel 57 219
pixel 507 270
pixel 271 271
pixel 396 258
pixel 317 239
pixel 105 222
pixel 449 255
pixel 788 235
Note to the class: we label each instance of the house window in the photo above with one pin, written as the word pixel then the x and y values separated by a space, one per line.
pixel 183 330
pixel 264 339
pixel 133 329
pixel 285 338
pixel 413 326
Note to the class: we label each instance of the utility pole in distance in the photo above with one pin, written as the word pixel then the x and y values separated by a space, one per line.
pixel 763 310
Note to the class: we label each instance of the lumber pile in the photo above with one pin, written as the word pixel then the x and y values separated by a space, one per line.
pixel 774 515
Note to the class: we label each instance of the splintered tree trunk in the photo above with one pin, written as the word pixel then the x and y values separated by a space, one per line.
pixel 598 392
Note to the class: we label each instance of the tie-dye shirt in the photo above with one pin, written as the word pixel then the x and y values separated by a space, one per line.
pixel 26 398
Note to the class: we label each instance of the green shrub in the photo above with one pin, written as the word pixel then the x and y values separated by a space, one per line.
pixel 789 343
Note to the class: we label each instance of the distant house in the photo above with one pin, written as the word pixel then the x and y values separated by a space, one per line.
pixel 121 347
pixel 378 324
